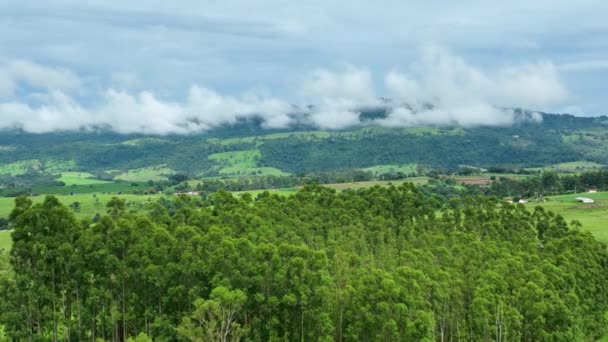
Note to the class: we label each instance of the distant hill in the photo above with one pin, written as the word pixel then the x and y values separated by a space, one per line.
pixel 249 149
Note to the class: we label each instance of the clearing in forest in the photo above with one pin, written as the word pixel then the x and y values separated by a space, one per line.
pixel 242 163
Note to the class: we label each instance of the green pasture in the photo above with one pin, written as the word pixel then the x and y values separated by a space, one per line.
pixel 369 184
pixel 571 167
pixel 281 192
pixel 242 163
pixel 89 204
pixel 108 187
pixel 5 240
pixel 153 173
pixel 79 178
pixel 593 217
pixel 576 166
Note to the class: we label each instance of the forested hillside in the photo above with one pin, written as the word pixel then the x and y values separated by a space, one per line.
pixel 382 264
pixel 248 149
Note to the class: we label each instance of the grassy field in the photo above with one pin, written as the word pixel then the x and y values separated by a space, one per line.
pixel 5 240
pixel 593 217
pixel 154 173
pixel 571 167
pixel 576 166
pixel 89 204
pixel 79 178
pixel 243 163
pixel 109 187
pixel 368 184
pixel 282 192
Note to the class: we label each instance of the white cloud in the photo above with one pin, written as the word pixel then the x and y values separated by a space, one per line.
pixel 144 112
pixel 334 114
pixel 338 96
pixel 440 89
pixel 60 114
pixel 459 93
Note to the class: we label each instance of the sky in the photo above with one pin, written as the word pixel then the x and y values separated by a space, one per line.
pixel 188 66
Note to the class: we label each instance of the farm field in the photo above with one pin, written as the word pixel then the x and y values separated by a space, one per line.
pixel 593 217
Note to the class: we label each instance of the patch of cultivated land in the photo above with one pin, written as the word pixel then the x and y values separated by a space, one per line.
pixel 593 217
pixel 153 173
pixel 79 178
pixel 243 163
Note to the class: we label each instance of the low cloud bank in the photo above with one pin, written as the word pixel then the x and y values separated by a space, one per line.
pixel 439 89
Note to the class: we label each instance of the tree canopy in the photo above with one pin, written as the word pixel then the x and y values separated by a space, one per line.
pixel 378 264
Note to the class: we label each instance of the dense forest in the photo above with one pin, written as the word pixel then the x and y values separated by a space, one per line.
pixel 381 264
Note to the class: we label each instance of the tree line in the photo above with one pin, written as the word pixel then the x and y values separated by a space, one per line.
pixel 549 183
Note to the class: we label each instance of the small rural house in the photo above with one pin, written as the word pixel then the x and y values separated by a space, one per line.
pixel 592 190
pixel 584 200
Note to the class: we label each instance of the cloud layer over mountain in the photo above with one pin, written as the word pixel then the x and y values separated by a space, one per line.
pixel 440 88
